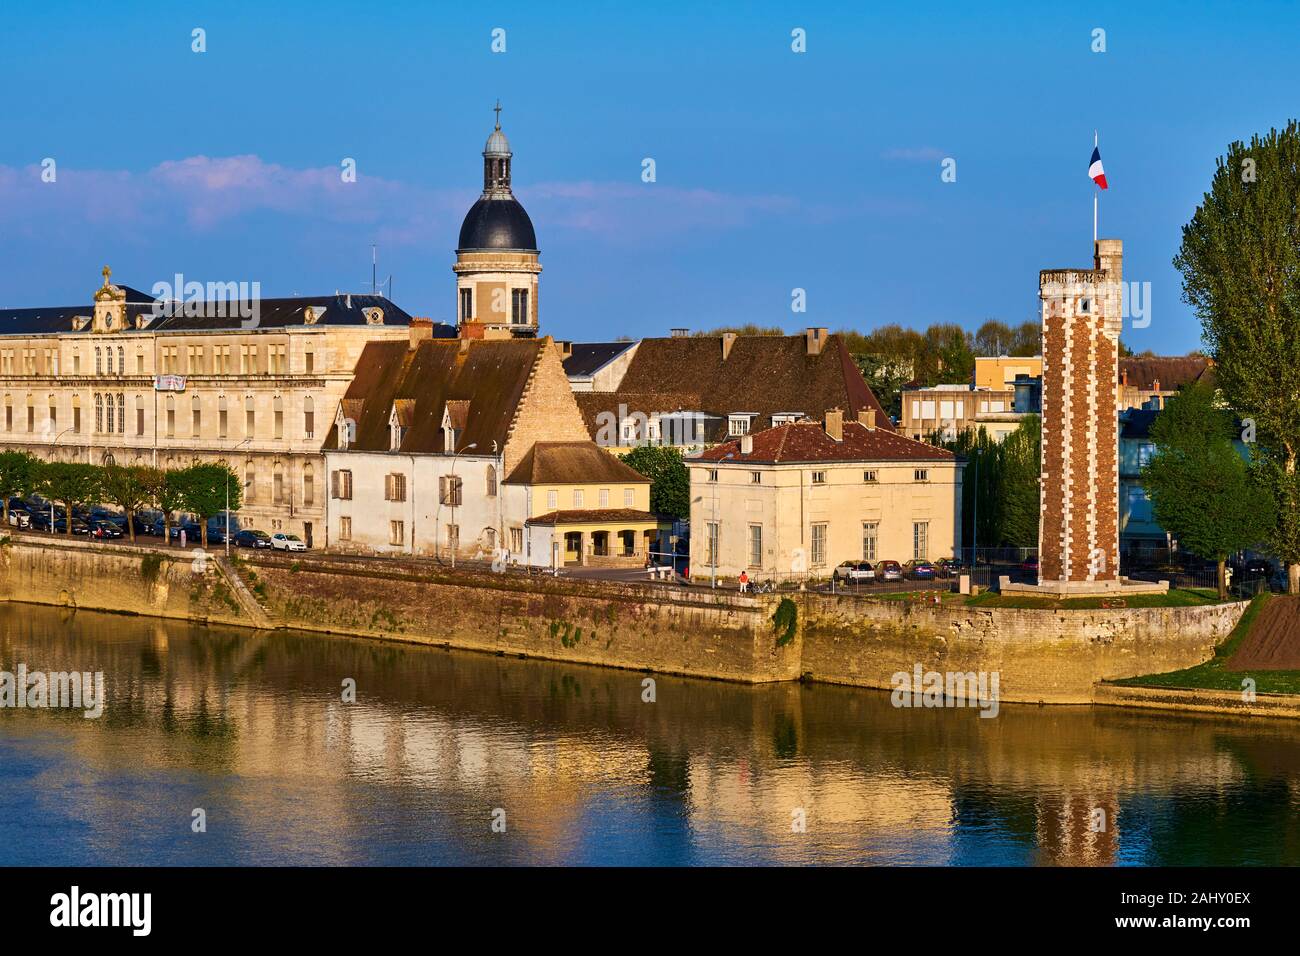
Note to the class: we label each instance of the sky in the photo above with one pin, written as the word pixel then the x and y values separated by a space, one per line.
pixel 774 170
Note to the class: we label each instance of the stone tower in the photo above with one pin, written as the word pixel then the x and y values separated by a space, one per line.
pixel 1078 537
pixel 497 257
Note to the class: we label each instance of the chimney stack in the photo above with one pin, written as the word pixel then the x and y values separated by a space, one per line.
pixel 728 340
pixel 1123 377
pixel 1155 386
pixel 679 333
pixel 835 424
pixel 421 330
pixel 867 417
pixel 746 444
pixel 814 339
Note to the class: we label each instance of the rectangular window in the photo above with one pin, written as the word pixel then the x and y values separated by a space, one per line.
pixel 31 418
pixel 197 423
pixel 629 497
pixel 711 543
pixel 921 474
pixel 9 418
pixel 139 421
pixel 394 487
pixel 577 497
pixel 516 540
pixel 738 425
pixel 466 304
pixel 604 497
pixel 713 474
pixel 341 485
pixel 920 539
pixel 755 477
pixel 552 500
pixel 279 423
pixel 309 423
pixel 171 422
pixel 396 532
pixel 309 362
pixel 869 476
pixel 518 306
pixel 819 544
pixel 449 490
pixel 222 417
pixel 755 545
pixel 869 532
pixel 819 477
pixel 345 529
pixel 54 419
pixel 249 423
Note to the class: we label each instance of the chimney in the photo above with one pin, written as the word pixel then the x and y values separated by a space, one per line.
pixel 566 348
pixel 679 333
pixel 1123 377
pixel 835 424
pixel 746 444
pixel 421 330
pixel 867 417
pixel 728 340
pixel 1155 386
pixel 814 339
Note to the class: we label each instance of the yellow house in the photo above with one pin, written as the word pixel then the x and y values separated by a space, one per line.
pixel 585 507
pixel 999 372
pixel 798 499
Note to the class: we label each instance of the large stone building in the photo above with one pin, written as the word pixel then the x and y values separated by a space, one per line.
pixel 797 499
pixel 137 380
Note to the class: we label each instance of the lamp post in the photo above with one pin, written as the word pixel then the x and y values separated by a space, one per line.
pixel 715 545
pixel 452 490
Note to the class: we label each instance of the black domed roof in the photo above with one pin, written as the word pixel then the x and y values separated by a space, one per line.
pixel 497 224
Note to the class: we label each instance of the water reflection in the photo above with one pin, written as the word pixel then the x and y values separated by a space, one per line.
pixel 251 728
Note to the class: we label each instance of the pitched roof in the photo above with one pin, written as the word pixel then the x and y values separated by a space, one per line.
pixel 488 375
pixel 593 514
pixel 587 358
pixel 762 374
pixel 1171 371
pixel 571 462
pixel 808 442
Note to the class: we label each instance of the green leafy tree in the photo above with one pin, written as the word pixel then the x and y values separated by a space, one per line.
pixel 1202 491
pixel 1000 485
pixel 164 492
pixel 17 472
pixel 1022 461
pixel 205 489
pixel 670 483
pixel 127 487
pixel 1240 263
pixel 69 484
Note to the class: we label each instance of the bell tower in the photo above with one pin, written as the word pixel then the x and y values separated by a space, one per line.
pixel 497 256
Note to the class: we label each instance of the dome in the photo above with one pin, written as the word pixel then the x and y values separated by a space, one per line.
pixel 497 144
pixel 497 224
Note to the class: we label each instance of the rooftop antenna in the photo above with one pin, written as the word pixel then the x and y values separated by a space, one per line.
pixel 373 265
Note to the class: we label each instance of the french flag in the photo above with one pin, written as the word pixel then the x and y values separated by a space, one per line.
pixel 1095 172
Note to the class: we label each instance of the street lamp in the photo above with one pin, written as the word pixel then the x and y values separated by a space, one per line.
pixel 452 489
pixel 715 545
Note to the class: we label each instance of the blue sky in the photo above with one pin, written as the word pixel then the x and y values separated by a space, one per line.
pixel 775 170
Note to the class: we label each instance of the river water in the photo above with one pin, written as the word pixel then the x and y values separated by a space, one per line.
pixel 448 757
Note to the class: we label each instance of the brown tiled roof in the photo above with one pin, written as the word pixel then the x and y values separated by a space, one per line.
pixel 764 374
pixel 489 375
pixel 1172 372
pixel 404 410
pixel 457 412
pixel 808 442
pixel 571 462
pixel 594 514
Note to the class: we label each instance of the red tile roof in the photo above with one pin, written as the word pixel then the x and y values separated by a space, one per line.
pixel 579 516
pixel 572 462
pixel 808 442
pixel 1172 372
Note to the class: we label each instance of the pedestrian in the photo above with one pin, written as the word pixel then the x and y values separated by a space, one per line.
pixel 744 582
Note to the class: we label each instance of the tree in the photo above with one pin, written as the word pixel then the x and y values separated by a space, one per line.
pixel 162 490
pixel 1201 489
pixel 17 470
pixel 993 338
pixel 1000 485
pixel 127 487
pixel 1240 263
pixel 69 483
pixel 1022 461
pixel 205 490
pixel 670 483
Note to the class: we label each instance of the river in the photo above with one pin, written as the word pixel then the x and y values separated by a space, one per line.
pixel 450 757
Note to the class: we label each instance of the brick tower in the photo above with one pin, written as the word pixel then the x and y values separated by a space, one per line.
pixel 1078 536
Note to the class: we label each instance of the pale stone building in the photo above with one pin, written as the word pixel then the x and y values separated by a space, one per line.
pixel 475 448
pixel 801 498
pixel 135 380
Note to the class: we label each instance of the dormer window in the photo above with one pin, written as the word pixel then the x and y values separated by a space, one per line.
pixel 455 415
pixel 786 418
pixel 400 419
pixel 739 423
pixel 374 316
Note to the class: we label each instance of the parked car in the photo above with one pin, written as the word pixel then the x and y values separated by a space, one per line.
pixel 919 570
pixel 1029 565
pixel 252 538
pixel 104 529
pixel 889 571
pixel 193 533
pixel 948 567
pixel 854 572
pixel 1254 568
pixel 40 520
pixel 19 517
pixel 281 541
pixel 78 526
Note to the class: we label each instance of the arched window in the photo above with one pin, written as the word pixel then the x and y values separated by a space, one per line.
pixel 112 418
pixel 491 481
pixel 277 483
pixel 277 410
pixel 99 408
pixel 250 480
pixel 121 361
pixel 308 485
pixel 121 413
pixel 99 362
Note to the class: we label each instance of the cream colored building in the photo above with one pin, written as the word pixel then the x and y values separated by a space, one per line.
pixel 800 498
pixel 999 372
pixel 135 381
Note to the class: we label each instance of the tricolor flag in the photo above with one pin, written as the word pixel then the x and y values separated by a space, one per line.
pixel 1095 172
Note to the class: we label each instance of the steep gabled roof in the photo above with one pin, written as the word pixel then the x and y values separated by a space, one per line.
pixel 807 442
pixel 762 374
pixel 587 358
pixel 488 376
pixel 572 462
pixel 1171 371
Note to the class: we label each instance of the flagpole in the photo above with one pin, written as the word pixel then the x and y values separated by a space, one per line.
pixel 1094 197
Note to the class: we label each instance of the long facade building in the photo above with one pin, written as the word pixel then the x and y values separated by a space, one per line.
pixel 135 381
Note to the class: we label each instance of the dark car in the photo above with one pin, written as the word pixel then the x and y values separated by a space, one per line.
pixel 193 533
pixel 103 529
pixel 1029 565
pixel 889 571
pixel 252 538
pixel 920 570
pixel 78 526
pixel 41 520
pixel 948 567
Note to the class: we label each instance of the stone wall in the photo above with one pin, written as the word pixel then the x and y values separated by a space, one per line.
pixel 1040 655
